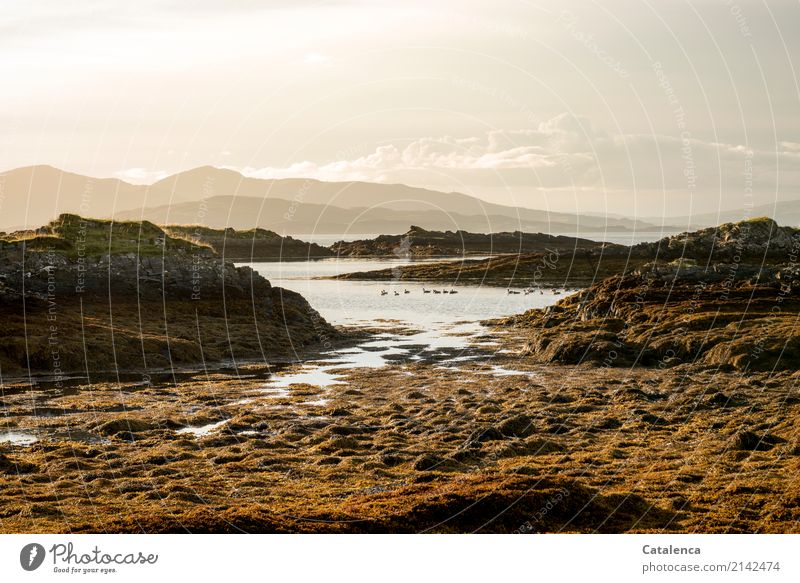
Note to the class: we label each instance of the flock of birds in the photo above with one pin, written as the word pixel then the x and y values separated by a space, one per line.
pixel 510 291
pixel 530 290
pixel 424 290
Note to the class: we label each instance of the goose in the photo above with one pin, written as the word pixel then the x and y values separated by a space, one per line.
pixel 384 292
pixel 426 291
pixel 406 291
pixel 452 291
pixel 397 293
pixel 436 291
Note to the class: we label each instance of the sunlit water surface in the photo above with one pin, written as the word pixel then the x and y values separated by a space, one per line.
pixel 445 325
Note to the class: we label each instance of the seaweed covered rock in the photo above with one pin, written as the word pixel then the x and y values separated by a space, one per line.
pixel 745 319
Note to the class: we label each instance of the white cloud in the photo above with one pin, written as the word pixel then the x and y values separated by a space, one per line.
pixel 141 175
pixel 564 152
pixel 791 146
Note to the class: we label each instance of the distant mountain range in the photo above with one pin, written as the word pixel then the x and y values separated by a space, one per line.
pixel 786 213
pixel 220 198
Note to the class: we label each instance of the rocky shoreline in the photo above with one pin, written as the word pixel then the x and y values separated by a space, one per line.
pixel 735 318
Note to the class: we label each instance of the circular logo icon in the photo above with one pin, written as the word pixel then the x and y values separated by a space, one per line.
pixel 31 556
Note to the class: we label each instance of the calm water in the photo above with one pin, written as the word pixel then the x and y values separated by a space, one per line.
pixel 17 438
pixel 448 331
pixel 360 302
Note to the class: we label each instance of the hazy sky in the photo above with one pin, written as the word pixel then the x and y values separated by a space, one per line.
pixel 637 107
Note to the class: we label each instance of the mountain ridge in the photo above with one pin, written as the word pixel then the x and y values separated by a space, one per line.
pixel 34 195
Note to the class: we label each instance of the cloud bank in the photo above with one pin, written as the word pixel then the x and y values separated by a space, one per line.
pixel 566 153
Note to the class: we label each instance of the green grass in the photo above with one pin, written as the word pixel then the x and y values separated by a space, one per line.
pixel 75 236
pixel 199 231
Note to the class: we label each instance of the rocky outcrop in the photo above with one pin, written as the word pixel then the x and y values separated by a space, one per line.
pixel 418 242
pixel 742 319
pixel 249 245
pixel 176 274
pixel 754 240
pixel 725 297
pixel 81 295
pixel 553 268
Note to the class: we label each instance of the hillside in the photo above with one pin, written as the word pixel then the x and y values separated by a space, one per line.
pixel 71 236
pixel 290 217
pixel 221 198
pixel 35 195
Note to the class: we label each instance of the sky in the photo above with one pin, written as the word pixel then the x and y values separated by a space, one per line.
pixel 631 107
